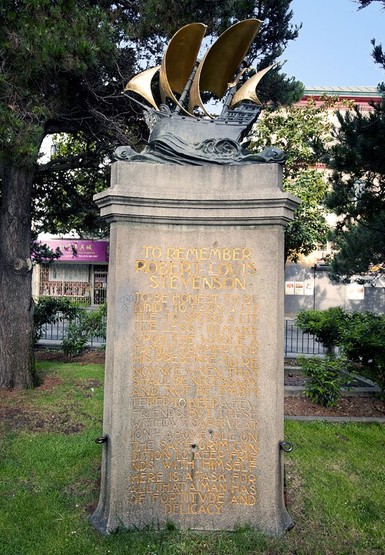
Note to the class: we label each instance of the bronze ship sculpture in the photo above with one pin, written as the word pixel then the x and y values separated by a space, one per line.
pixel 182 131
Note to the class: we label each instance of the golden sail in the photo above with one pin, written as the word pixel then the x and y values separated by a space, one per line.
pixel 179 61
pixel 247 90
pixel 141 84
pixel 222 61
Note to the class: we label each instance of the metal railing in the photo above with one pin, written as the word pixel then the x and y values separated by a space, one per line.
pixel 296 341
pixel 299 342
pixel 54 333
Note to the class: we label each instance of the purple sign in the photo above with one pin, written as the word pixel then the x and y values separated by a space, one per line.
pixel 80 250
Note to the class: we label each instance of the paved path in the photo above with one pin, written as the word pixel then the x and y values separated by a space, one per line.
pixel 365 419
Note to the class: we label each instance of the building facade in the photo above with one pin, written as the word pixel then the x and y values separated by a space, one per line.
pixel 79 274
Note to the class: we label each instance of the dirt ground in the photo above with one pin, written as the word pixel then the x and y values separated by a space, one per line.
pixel 346 406
pixel 89 357
pixel 294 406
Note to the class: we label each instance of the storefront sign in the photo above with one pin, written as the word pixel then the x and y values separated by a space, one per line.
pixel 80 250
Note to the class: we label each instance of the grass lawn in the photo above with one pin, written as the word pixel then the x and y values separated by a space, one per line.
pixel 49 472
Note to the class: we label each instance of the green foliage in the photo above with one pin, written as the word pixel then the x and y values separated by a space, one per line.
pixel 309 229
pixel 325 325
pixel 64 66
pixel 275 33
pixel 359 251
pixel 358 194
pixel 63 199
pixel 324 379
pixel 83 324
pixel 88 324
pixel 49 53
pixel 365 3
pixel 360 336
pixel 41 253
pixel 49 310
pixel 302 132
pixel 363 341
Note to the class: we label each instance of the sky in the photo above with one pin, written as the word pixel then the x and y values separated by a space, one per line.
pixel 333 47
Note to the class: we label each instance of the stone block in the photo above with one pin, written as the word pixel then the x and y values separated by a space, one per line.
pixel 193 411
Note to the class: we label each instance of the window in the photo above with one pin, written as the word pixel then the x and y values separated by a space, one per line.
pixel 100 284
pixel 66 280
pixel 69 272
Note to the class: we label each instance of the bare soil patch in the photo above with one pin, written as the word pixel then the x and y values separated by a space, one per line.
pixel 346 406
pixel 88 357
pixel 26 418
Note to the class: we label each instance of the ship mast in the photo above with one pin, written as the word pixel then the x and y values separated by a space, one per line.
pixel 232 89
pixel 186 90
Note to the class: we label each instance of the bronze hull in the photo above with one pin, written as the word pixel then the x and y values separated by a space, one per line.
pixel 191 130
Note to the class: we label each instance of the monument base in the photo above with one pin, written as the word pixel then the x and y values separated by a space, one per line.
pixel 193 417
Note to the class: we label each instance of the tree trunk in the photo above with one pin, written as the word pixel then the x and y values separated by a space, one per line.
pixel 16 305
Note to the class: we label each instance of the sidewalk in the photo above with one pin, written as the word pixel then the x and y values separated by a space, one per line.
pixel 340 419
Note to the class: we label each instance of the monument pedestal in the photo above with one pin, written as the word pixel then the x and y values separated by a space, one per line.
pixel 193 409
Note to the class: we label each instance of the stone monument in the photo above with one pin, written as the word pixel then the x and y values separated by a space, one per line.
pixel 193 410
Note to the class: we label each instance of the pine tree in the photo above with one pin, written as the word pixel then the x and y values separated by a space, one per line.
pixel 358 187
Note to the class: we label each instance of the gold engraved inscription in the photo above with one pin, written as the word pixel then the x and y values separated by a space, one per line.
pixel 195 361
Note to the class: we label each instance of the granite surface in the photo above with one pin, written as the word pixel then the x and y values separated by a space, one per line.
pixel 194 364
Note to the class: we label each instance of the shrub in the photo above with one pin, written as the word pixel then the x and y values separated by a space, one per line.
pixel 363 341
pixel 325 325
pixel 324 379
pixel 49 310
pixel 88 325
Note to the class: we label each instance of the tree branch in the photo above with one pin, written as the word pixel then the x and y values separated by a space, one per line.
pixel 66 163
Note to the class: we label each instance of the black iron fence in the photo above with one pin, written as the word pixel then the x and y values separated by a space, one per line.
pixel 296 341
pixel 53 334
